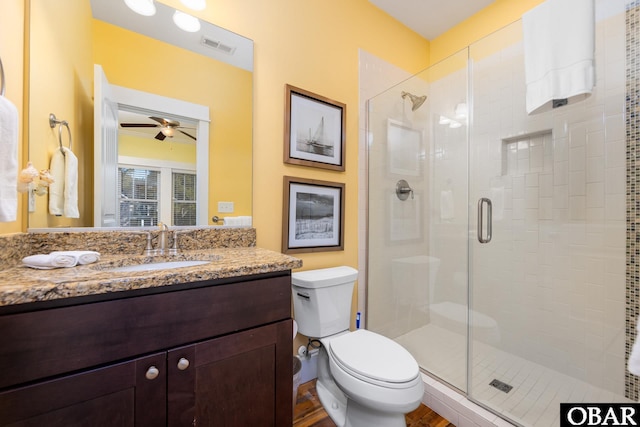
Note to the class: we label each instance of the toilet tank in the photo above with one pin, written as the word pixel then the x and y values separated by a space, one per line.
pixel 322 300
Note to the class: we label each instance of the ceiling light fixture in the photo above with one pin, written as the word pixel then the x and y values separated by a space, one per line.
pixel 195 4
pixel 142 7
pixel 186 22
pixel 167 131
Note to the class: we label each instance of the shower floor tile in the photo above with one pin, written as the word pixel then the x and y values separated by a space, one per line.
pixel 537 391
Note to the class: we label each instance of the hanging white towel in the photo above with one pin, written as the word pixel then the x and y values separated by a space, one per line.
pixel 63 191
pixel 8 160
pixel 559 45
pixel 634 357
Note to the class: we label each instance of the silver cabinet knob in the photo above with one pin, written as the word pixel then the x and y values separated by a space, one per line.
pixel 152 373
pixel 183 364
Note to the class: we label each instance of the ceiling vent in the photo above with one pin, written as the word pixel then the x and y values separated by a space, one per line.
pixel 213 44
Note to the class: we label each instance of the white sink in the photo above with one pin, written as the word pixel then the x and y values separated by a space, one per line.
pixel 157 266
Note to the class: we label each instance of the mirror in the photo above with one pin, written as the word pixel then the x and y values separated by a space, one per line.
pixel 211 70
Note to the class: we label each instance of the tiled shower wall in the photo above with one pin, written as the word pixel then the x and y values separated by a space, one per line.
pixel 632 383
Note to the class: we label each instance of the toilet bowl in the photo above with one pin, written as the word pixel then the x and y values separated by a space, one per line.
pixel 364 379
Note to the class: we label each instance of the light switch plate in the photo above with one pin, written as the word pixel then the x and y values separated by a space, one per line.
pixel 225 207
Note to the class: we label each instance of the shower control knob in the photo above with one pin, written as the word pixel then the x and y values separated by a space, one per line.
pixel 403 190
pixel 152 373
pixel 183 364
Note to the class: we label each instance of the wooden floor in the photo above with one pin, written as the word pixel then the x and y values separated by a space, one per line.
pixel 309 413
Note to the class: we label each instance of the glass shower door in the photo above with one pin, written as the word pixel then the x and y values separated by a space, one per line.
pixel 417 248
pixel 547 241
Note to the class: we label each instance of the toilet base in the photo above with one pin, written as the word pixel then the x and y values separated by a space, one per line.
pixel 335 404
pixel 354 414
pixel 347 412
pixel 360 416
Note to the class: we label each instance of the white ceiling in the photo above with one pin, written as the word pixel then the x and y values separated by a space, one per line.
pixel 430 18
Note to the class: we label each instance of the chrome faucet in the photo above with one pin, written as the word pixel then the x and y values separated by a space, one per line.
pixel 148 250
pixel 175 246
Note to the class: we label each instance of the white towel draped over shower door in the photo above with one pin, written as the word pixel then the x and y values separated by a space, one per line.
pixel 634 358
pixel 8 160
pixel 559 46
pixel 63 191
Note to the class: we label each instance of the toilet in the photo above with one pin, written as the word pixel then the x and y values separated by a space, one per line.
pixel 364 379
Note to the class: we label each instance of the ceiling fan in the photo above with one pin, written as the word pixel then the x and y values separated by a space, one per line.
pixel 167 127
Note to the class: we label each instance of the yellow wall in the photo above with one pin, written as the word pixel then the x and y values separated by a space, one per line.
pixel 150 148
pixel 11 53
pixel 495 16
pixel 312 45
pixel 61 83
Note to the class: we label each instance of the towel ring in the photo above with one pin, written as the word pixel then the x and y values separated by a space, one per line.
pixel 2 84
pixel 53 122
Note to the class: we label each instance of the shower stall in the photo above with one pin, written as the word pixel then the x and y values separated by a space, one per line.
pixel 496 239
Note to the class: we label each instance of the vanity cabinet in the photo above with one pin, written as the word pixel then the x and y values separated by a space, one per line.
pixel 214 353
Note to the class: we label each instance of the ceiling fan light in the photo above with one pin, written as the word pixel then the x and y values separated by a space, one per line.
pixel 186 22
pixel 142 7
pixel 167 131
pixel 195 4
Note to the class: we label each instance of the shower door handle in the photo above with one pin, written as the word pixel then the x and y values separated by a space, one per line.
pixel 484 201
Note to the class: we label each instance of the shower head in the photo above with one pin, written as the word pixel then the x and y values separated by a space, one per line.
pixel 416 101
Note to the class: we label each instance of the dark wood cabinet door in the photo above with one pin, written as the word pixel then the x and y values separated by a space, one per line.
pixel 243 379
pixel 112 396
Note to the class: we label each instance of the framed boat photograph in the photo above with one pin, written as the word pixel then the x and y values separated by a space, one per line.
pixel 312 216
pixel 314 130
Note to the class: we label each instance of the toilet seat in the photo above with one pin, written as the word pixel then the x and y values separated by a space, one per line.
pixel 374 359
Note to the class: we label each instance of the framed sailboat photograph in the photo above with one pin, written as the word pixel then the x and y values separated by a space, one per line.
pixel 314 130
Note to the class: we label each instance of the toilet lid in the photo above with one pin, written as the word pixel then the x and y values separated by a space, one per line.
pixel 374 356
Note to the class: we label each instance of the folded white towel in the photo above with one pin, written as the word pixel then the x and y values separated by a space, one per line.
pixel 559 46
pixel 231 221
pixel 83 257
pixel 8 160
pixel 63 191
pixel 57 259
pixel 52 260
pixel 245 221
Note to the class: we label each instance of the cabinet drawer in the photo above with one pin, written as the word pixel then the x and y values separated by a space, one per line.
pixel 51 342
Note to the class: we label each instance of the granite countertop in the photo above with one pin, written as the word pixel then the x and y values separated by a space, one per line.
pixel 21 284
